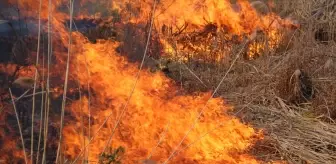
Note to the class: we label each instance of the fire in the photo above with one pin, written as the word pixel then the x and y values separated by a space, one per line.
pixel 155 104
pixel 158 113
pixel 262 44
pixel 237 20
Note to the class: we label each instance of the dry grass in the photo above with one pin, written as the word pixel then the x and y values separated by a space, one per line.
pixel 291 136
pixel 265 92
pixel 298 129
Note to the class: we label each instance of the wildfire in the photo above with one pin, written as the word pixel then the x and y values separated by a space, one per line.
pixel 155 104
pixel 185 18
pixel 158 113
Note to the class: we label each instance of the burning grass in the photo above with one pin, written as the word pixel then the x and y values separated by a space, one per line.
pixel 267 94
pixel 286 87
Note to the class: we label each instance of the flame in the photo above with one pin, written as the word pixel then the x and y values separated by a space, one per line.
pixel 158 110
pixel 221 13
pixel 155 104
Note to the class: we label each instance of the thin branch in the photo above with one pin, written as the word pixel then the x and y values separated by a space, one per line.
pixel 20 130
pixel 199 79
pixel 160 140
pixel 47 105
pixel 42 106
pixel 65 84
pixel 35 82
pixel 23 95
pixel 137 77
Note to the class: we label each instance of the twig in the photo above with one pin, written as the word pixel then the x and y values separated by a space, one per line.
pixel 47 105
pixel 65 84
pixel 160 140
pixel 17 99
pixel 20 130
pixel 34 90
pixel 41 111
pixel 30 95
pixel 137 77
pixel 180 29
pixel 194 74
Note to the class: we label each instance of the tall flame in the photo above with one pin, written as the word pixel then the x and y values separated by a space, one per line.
pixel 155 104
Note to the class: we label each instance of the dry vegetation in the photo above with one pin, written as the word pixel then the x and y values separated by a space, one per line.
pixel 290 93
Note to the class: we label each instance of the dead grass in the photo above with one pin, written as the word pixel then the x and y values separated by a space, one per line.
pixel 297 129
pixel 265 94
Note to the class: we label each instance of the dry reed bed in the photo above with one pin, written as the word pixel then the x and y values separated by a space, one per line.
pixel 261 92
pixel 297 130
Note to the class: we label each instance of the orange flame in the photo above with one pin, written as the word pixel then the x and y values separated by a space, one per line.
pixel 197 14
pixel 155 104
